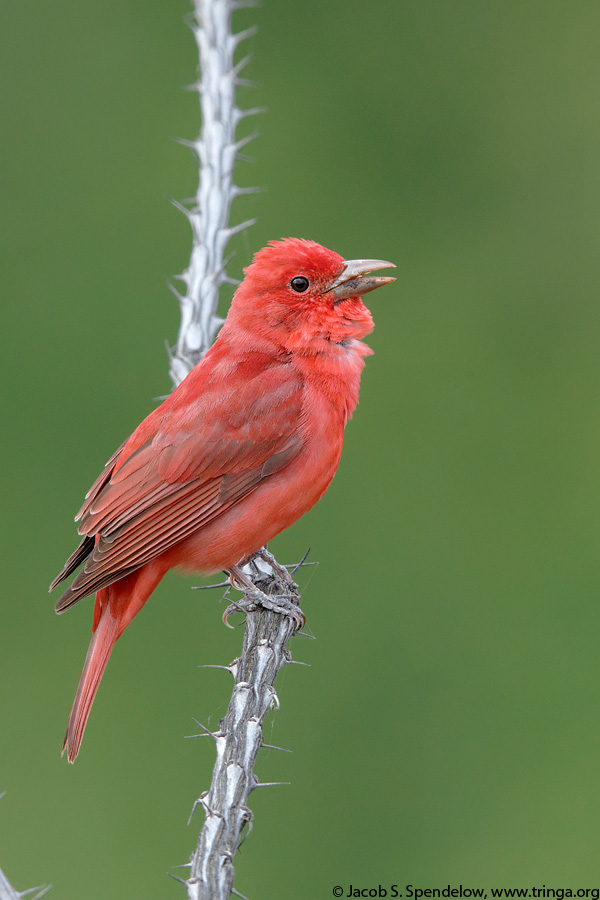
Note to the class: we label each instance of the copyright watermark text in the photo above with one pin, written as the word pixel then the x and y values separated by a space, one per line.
pixel 461 891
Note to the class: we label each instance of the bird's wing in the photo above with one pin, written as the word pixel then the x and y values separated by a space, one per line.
pixel 196 461
pixel 87 544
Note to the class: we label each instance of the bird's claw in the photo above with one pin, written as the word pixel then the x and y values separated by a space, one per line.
pixel 278 570
pixel 283 603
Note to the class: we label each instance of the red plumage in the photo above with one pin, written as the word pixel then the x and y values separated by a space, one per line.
pixel 246 444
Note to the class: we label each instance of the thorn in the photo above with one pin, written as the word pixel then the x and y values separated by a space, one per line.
pixel 306 635
pixel 184 275
pixel 227 279
pixel 179 297
pixel 241 191
pixel 190 20
pixel 213 734
pixel 235 229
pixel 233 890
pixel 224 278
pixel 243 35
pixel 193 145
pixel 245 838
pixel 251 111
pixel 3 794
pixel 223 268
pixel 177 878
pixel 295 662
pixel 207 587
pixel 211 666
pixel 273 747
pixel 244 141
pixel 183 209
pixel 196 802
pixel 302 563
pixel 186 865
pixel 241 65
pixel 202 801
pixel 42 888
pixel 260 784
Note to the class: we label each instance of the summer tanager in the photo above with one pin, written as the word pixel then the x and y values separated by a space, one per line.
pixel 245 445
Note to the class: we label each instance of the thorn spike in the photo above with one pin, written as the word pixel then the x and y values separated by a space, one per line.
pixel 260 784
pixel 241 64
pixel 237 894
pixel 241 191
pixel 243 35
pixel 244 141
pixel 252 111
pixel 207 587
pixel 213 734
pixel 214 666
pixel 235 229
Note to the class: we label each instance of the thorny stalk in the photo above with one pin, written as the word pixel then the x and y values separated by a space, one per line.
pixel 239 736
pixel 216 150
pixel 238 741
pixel 7 891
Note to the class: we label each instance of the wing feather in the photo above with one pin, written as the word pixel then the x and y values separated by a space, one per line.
pixel 100 482
pixel 182 469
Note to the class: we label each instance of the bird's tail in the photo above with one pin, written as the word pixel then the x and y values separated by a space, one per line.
pixel 116 605
pixel 103 640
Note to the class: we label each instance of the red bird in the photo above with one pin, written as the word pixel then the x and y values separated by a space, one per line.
pixel 243 447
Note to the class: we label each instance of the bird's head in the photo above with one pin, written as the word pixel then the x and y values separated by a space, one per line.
pixel 302 296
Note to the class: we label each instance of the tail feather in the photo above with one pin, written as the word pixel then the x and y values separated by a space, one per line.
pixel 103 640
pixel 115 607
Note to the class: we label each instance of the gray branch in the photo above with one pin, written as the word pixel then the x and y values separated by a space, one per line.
pixel 7 891
pixel 239 737
pixel 238 741
pixel 216 150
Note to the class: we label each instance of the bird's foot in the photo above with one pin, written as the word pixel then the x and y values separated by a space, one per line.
pixel 279 571
pixel 285 602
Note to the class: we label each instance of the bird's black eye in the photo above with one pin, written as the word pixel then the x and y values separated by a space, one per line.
pixel 300 284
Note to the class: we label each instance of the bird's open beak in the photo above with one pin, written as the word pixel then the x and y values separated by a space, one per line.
pixel 350 282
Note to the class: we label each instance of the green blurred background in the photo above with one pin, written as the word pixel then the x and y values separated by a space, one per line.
pixel 448 729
